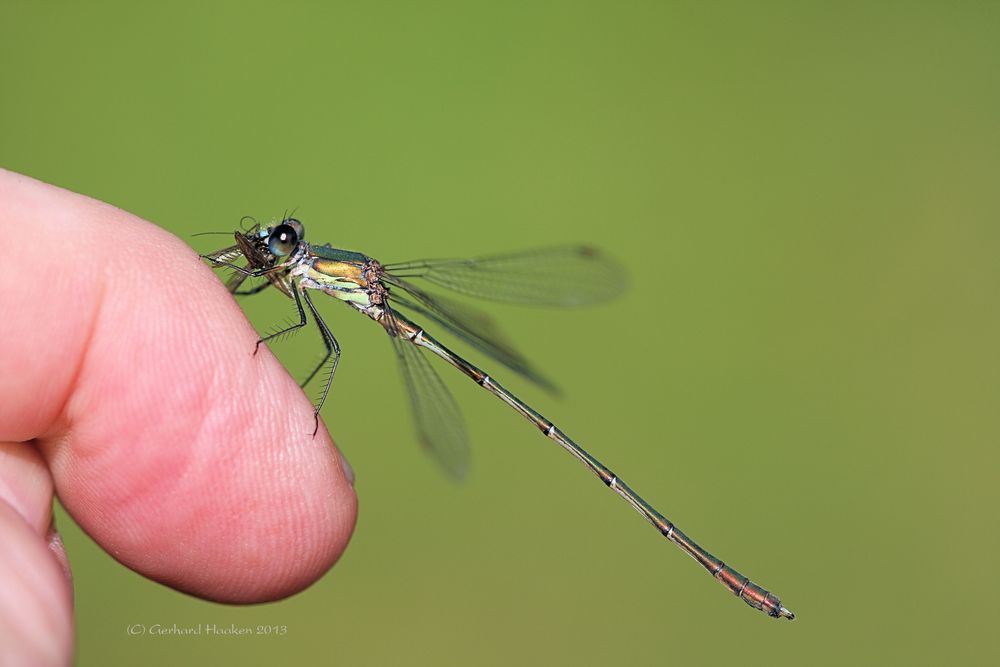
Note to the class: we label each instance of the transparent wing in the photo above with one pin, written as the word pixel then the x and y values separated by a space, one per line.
pixel 438 419
pixel 558 276
pixel 474 327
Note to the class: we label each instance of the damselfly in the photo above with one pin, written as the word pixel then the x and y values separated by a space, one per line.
pixel 565 275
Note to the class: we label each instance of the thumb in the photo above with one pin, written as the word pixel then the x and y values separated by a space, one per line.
pixel 36 600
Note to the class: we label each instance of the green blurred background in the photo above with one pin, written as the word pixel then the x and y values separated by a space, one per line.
pixel 803 374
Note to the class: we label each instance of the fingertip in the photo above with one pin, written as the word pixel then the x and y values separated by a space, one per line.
pixel 184 455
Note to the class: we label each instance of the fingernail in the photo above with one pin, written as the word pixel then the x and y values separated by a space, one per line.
pixel 58 549
pixel 346 467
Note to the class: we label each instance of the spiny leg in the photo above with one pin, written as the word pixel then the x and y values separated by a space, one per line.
pixel 301 323
pixel 332 348
pixel 331 344
pixel 257 274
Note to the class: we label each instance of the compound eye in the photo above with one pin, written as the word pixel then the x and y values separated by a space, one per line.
pixel 295 224
pixel 282 240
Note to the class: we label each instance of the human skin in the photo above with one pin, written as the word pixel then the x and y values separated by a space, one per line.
pixel 129 388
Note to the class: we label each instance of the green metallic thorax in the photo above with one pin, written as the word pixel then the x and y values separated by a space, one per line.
pixel 336 272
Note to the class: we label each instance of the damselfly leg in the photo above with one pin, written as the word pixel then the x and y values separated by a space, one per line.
pixel 332 349
pixel 256 268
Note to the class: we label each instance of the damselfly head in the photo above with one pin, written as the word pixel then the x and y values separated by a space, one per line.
pixel 263 245
pixel 283 239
